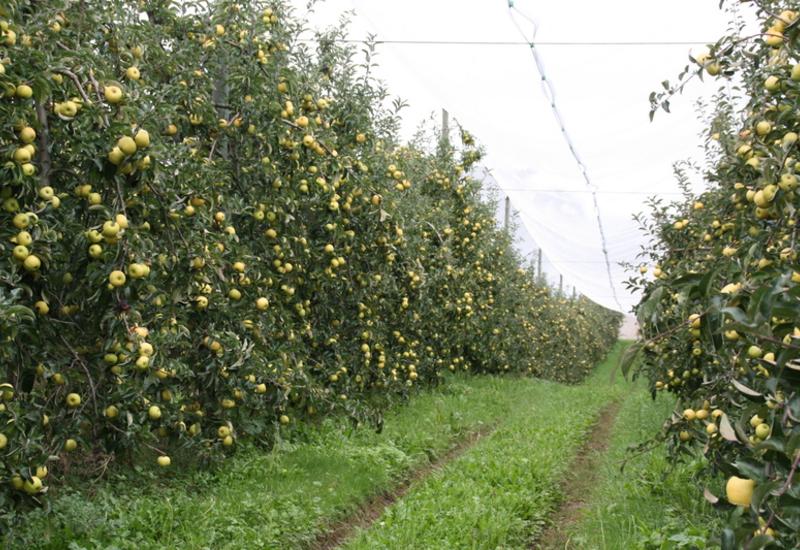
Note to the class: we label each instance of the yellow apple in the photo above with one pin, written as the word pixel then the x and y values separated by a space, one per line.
pixel 154 412
pixel 73 400
pixel 754 352
pixel 127 145
pixel 116 156
pixel 24 238
pixel 32 485
pixel 772 84
pixel 27 135
pixel 116 278
pixel 66 110
pixel 763 127
pixel 20 252
pixel 113 94
pixel 138 271
pixel 142 362
pixel 22 155
pixel 142 139
pixel 24 91
pixel 773 37
pixel 46 192
pixel 146 349
pixel 739 491
pixel 32 263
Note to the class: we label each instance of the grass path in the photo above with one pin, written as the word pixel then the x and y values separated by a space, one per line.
pixel 281 499
pixel 551 478
pixel 653 502
pixel 501 493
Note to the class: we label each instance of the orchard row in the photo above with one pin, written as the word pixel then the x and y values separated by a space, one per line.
pixel 721 317
pixel 209 230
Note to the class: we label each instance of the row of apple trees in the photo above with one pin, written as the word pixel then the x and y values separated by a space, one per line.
pixel 720 318
pixel 208 231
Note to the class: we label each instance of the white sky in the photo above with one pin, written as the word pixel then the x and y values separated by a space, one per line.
pixel 602 92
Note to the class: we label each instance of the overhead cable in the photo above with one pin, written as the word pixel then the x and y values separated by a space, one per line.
pixel 423 42
pixel 549 93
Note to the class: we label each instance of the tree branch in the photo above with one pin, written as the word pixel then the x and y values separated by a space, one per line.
pixel 44 137
pixel 72 76
pixel 96 86
pixel 77 359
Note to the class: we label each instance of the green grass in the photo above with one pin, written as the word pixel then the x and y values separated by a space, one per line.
pixel 499 493
pixel 278 499
pixel 653 502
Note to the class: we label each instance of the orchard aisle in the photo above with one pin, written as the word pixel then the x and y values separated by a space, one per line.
pixel 551 477
pixel 503 492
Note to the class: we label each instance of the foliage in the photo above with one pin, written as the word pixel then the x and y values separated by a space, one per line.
pixel 220 236
pixel 721 318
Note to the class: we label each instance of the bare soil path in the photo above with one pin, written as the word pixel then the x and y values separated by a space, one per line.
pixel 581 478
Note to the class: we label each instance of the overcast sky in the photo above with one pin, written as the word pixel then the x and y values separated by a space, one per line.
pixel 602 92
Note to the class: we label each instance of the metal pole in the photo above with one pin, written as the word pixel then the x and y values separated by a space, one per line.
pixel 508 214
pixel 445 128
pixel 539 264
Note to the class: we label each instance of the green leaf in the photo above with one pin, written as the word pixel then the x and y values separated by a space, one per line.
pixel 760 541
pixel 762 490
pixel 749 469
pixel 726 430
pixel 744 389
pixel 728 539
pixel 629 356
